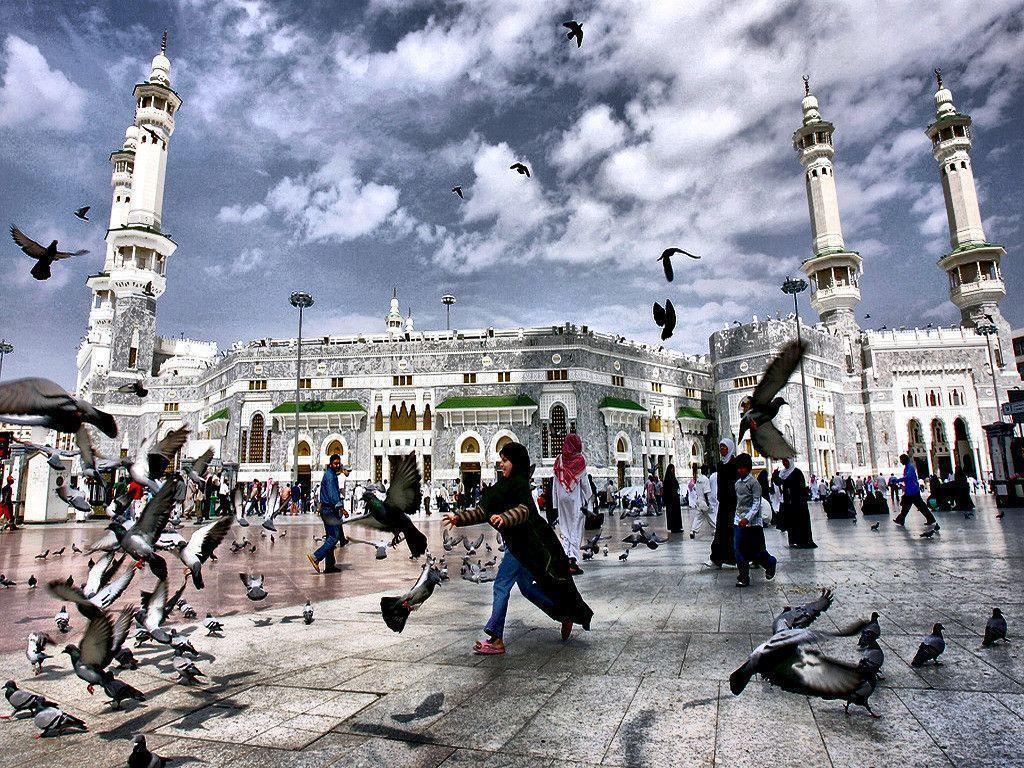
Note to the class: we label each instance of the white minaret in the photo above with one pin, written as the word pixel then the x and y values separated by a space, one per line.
pixel 394 320
pixel 409 326
pixel 975 279
pixel 122 322
pixel 834 271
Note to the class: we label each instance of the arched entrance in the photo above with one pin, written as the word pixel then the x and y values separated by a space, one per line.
pixel 916 447
pixel 962 449
pixel 942 460
pixel 470 456
pixel 305 467
pixel 623 454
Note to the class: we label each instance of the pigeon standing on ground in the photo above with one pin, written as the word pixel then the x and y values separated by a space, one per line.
pixel 665 318
pixel 307 613
pixel 874 526
pixel 35 652
pixel 7 583
pixel 141 757
pixel 666 260
pixel 53 720
pixel 43 555
pixel 871 631
pixel 871 656
pixel 759 408
pixel 575 31
pixel 213 627
pixel 995 629
pixel 32 581
pixel 253 587
pixel 624 556
pixel 521 169
pixel 23 701
pixel 44 255
pixel 930 649
pixel 63 620
pixel 187 671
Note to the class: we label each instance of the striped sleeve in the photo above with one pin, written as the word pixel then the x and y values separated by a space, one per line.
pixel 470 516
pixel 515 516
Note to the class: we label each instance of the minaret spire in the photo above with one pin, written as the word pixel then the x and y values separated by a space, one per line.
pixel 163 43
pixel 807 85
pixel 938 78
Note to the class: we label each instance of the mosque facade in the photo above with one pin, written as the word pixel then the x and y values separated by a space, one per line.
pixel 454 397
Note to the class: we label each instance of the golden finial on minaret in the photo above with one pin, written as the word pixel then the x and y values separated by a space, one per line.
pixel 807 85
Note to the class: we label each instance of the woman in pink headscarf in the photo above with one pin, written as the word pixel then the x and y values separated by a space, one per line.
pixel 571 493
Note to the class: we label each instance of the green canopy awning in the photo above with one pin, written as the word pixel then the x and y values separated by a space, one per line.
pixel 321 406
pixel 222 415
pixel 486 402
pixel 691 413
pixel 621 404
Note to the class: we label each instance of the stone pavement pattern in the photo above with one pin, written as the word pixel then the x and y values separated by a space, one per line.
pixel 648 686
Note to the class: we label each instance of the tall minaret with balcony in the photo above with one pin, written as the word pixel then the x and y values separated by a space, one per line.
pixel 975 279
pixel 122 323
pixel 834 271
pixel 394 320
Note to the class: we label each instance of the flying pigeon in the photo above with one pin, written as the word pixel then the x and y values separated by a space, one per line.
pixel 139 540
pixel 134 388
pixel 575 32
pixel 36 650
pixel 51 721
pixel 471 547
pixel 307 613
pixel 457 189
pixel 141 757
pixel 521 169
pixel 666 260
pixel 995 628
pixel 395 610
pixel 81 213
pixel 73 497
pixel 44 256
pixel 930 649
pixel 157 138
pixel 200 546
pixel 154 456
pixel 253 587
pixel 392 514
pixel 54 457
pixel 665 318
pixel 803 615
pixel 24 701
pixel 759 408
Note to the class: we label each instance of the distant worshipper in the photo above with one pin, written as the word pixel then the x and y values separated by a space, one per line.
pixel 722 546
pixel 794 506
pixel 534 558
pixel 571 493
pixel 748 525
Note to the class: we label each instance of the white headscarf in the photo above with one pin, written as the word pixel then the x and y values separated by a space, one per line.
pixel 787 471
pixel 730 446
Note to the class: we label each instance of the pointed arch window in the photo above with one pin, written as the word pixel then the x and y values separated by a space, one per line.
pixel 133 350
pixel 257 439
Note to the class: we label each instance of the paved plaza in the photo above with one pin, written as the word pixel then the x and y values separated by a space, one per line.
pixel 648 686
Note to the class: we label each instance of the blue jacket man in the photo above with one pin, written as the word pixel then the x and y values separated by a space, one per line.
pixel 912 495
pixel 332 507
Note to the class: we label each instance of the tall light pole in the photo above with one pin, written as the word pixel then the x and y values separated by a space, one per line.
pixel 302 301
pixel 5 349
pixel 988 330
pixel 796 286
pixel 448 300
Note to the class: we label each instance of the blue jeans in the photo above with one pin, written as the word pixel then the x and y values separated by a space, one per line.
pixel 326 550
pixel 511 572
pixel 739 534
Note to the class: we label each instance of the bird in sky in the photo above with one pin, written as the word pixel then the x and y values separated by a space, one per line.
pixel 457 189
pixel 521 169
pixel 157 138
pixel 81 213
pixel 575 32
pixel 665 318
pixel 759 408
pixel 666 260
pixel 44 255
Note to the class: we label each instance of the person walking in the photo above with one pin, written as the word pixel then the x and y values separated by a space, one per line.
pixel 342 512
pixel 673 513
pixel 722 548
pixel 571 493
pixel 748 525
pixel 894 489
pixel 331 508
pixel 794 506
pixel 7 505
pixel 912 496
pixel 534 559
pixel 224 497
pixel 702 503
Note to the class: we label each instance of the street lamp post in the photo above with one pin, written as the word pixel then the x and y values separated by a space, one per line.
pixel 5 349
pixel 448 300
pixel 796 286
pixel 988 330
pixel 302 301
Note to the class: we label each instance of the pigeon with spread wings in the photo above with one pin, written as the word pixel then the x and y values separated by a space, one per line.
pixel 392 514
pixel 44 255
pixel 759 408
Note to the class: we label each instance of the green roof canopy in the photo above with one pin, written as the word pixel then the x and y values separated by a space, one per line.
pixel 321 406
pixel 621 404
pixel 222 415
pixel 691 413
pixel 484 402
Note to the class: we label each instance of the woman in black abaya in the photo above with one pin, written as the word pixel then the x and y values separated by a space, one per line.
pixel 794 506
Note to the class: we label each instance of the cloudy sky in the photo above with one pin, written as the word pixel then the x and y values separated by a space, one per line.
pixel 318 142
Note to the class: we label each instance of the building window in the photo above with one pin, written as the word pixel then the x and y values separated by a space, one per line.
pixel 819 382
pixel 170 407
pixel 655 386
pixel 305 383
pixel 428 420
pixel 504 377
pixel 933 398
pixel 378 468
pixel 556 429
pixel 401 381
pixel 559 374
pixel 744 381
pixel 257 385
pixel 618 381
pixel 654 424
pixel 691 393
pixel 378 420
pixel 404 419
pixel 257 439
pixel 470 445
pixel 337 382
pixel 133 350
pixel 427 468
pixel 335 447
pixel 469 378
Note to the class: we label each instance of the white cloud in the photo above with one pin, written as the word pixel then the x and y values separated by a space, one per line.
pixel 33 94
pixel 238 214
pixel 596 132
